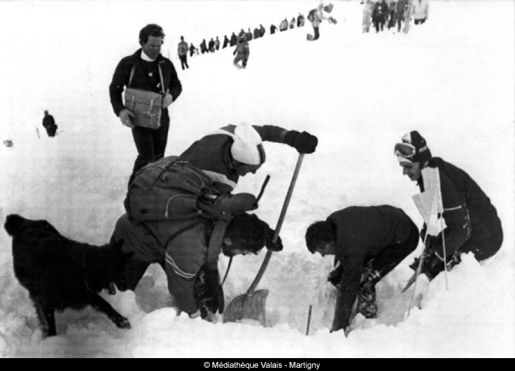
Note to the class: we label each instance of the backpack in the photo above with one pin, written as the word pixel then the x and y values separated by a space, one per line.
pixel 311 15
pixel 168 189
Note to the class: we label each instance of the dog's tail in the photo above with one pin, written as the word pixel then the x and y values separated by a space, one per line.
pixel 13 223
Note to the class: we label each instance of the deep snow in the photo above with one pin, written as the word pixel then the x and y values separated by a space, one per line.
pixel 451 79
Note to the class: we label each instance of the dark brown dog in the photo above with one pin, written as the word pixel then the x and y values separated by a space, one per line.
pixel 60 273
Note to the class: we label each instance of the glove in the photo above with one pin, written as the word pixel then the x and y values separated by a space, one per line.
pixel 302 142
pixel 335 276
pixel 215 294
pixel 126 117
pixel 274 246
pixel 167 100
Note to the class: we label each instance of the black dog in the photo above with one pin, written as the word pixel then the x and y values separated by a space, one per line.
pixel 60 273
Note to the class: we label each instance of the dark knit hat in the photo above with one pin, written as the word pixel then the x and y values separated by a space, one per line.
pixel 420 151
pixel 247 232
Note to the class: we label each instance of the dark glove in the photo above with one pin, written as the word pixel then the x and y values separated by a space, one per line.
pixel 302 142
pixel 274 246
pixel 214 293
pixel 335 276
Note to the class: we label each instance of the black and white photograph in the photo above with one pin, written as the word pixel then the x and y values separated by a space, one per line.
pixel 282 181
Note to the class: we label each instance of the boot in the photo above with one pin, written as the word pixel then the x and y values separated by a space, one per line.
pixel 367 293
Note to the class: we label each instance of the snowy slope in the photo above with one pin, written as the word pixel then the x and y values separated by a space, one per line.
pixel 359 93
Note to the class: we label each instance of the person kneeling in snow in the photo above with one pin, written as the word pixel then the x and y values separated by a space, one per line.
pixel 368 242
pixel 188 253
pixel 472 224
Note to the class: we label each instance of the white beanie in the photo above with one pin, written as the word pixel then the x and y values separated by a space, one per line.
pixel 247 147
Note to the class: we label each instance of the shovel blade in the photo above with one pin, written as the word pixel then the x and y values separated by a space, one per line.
pixel 247 306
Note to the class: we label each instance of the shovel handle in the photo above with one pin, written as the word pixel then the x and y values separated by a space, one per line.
pixel 286 202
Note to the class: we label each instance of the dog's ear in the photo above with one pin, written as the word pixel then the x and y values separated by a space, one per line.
pixel 117 247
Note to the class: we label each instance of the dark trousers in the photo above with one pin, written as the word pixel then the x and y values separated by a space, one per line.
pixel 392 255
pixel 487 247
pixel 378 23
pixel 420 21
pixel 150 143
pixel 184 61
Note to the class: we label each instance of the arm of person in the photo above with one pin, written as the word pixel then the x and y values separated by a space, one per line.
pixel 303 142
pixel 118 82
pixel 174 86
pixel 456 218
pixel 352 268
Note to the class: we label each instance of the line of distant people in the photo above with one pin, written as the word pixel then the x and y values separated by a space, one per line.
pixel 240 42
pixel 393 13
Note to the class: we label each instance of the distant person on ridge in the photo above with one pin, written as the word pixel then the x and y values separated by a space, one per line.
pixel 182 51
pixel 242 52
pixel 49 124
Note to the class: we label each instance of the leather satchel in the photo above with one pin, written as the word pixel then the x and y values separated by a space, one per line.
pixel 146 105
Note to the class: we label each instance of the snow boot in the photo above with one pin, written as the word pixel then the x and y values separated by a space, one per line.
pixel 367 293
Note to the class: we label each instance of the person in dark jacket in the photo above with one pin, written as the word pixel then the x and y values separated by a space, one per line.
pixel 146 69
pixel 211 45
pixel 273 28
pixel 300 20
pixel 261 30
pixel 49 124
pixel 234 39
pixel 192 49
pixel 226 42
pixel 380 15
pixel 368 242
pixel 188 251
pixel 472 224
pixel 236 150
pixel 203 46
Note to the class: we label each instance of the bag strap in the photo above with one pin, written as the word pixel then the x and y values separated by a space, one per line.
pixel 131 75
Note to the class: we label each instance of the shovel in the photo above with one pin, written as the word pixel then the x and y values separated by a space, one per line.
pixel 251 305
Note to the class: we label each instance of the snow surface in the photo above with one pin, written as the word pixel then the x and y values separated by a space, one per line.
pixel 451 79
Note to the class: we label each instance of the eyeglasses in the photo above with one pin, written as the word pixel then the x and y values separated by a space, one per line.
pixel 404 150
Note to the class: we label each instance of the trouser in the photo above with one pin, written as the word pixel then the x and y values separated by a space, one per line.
pixel 392 255
pixel 150 143
pixel 420 21
pixel 316 31
pixel 378 23
pixel 399 24
pixel 184 61
pixel 242 58
pixel 486 247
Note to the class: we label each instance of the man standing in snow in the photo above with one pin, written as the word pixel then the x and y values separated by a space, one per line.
pixel 188 251
pixel 316 16
pixel 146 70
pixel 236 150
pixel 420 10
pixel 368 242
pixel 182 51
pixel 472 224
pixel 242 52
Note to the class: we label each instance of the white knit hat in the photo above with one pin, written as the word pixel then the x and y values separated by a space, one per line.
pixel 247 147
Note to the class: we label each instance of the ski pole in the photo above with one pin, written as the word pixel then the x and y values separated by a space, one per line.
pixel 417 273
pixel 309 319
pixel 444 256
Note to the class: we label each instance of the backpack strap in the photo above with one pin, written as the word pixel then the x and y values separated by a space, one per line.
pixel 215 243
pixel 131 75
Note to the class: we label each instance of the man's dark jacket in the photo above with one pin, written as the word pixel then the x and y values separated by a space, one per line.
pixel 146 77
pixel 361 233
pixel 468 213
